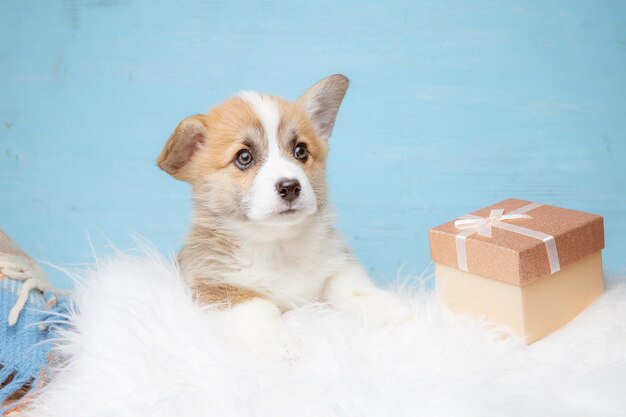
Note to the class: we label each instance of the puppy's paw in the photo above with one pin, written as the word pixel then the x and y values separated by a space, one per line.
pixel 376 306
pixel 258 324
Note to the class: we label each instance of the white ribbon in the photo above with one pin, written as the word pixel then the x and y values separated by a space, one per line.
pixel 470 224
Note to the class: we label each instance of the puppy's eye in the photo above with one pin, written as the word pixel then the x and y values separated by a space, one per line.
pixel 244 159
pixel 301 152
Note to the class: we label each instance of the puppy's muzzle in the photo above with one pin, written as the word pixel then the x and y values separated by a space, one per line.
pixel 288 189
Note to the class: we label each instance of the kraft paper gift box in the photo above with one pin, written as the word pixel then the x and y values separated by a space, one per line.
pixel 532 267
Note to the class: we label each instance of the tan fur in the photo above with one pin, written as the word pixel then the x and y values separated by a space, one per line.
pixel 226 125
pixel 181 145
pixel 222 295
pixel 208 254
pixel 294 121
pixel 229 125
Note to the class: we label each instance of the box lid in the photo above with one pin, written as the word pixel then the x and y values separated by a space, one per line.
pixel 514 257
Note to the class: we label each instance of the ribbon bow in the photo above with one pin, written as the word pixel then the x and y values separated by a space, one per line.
pixel 483 226
pixel 470 224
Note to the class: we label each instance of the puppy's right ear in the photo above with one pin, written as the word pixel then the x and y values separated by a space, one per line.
pixel 182 144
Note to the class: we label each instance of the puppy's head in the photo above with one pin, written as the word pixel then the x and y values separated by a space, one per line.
pixel 258 158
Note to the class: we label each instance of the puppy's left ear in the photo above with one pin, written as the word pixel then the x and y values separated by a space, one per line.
pixel 321 103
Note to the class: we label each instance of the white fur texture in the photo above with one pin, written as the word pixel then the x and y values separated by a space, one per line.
pixel 142 348
pixel 264 204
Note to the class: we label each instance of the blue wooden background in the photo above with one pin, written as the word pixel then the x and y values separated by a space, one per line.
pixel 453 105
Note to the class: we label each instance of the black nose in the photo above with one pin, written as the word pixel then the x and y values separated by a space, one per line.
pixel 289 189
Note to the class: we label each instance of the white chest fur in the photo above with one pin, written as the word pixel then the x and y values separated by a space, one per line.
pixel 291 272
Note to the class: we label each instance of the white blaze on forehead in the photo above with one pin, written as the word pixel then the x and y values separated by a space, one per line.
pixel 266 109
pixel 263 200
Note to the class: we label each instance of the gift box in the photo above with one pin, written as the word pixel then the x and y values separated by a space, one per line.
pixel 532 267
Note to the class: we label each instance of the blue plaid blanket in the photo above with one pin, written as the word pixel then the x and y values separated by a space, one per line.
pixel 26 349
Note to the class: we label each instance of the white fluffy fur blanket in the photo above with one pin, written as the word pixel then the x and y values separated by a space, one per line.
pixel 142 348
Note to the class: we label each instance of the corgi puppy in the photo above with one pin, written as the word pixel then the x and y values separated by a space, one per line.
pixel 262 236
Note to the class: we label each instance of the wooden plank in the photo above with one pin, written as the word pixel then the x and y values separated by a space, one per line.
pixel 452 106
